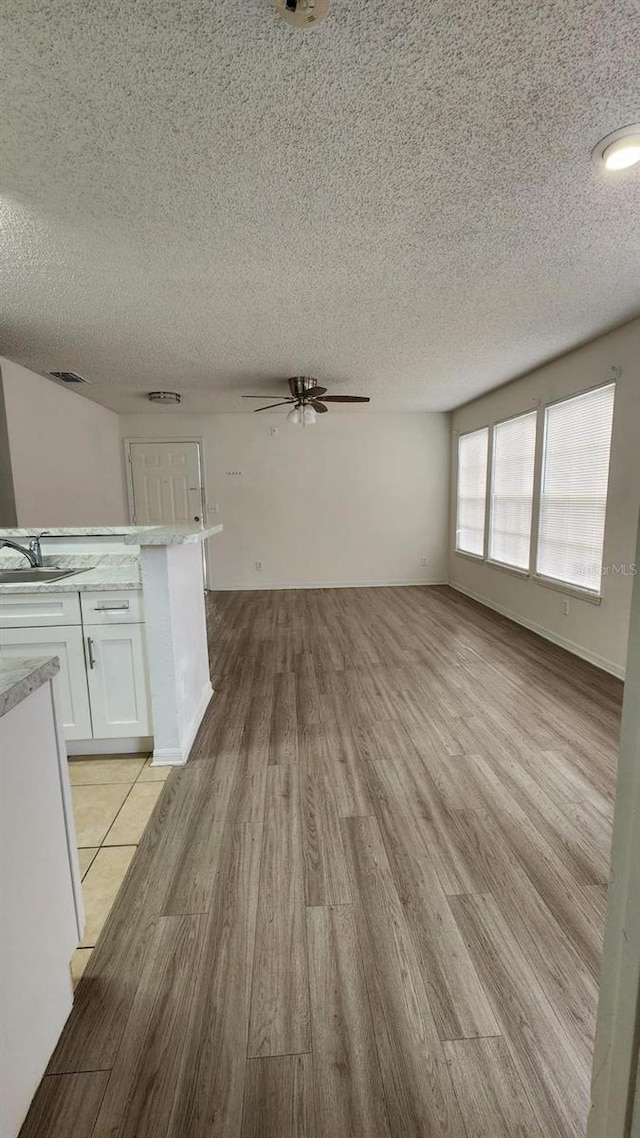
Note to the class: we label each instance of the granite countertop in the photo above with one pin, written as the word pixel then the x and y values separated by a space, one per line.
pixel 170 535
pixel 19 677
pixel 132 535
pixel 101 578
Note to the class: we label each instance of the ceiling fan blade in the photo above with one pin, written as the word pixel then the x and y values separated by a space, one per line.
pixel 345 399
pixel 271 405
pixel 314 392
pixel 317 406
pixel 266 396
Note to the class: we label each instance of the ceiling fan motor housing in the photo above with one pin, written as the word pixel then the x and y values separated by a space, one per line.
pixel 299 385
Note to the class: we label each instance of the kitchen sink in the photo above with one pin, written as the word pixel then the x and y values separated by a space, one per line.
pixel 31 576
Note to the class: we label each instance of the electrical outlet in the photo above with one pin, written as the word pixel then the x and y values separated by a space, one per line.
pixel 424 561
pixel 565 608
pixel 259 566
pixel 213 509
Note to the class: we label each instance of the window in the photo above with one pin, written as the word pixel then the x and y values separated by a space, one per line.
pixel 514 448
pixel 573 495
pixel 472 489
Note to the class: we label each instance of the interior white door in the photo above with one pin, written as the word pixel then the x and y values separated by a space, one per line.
pixel 66 644
pixel 118 686
pixel 166 483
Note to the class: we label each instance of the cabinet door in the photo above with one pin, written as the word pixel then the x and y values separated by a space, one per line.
pixel 66 643
pixel 117 680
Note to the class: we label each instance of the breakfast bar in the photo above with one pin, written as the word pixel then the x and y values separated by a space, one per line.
pixel 123 609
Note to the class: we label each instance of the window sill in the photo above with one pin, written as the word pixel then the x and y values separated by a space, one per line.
pixel 477 557
pixel 548 582
pixel 513 569
pixel 571 590
pixel 492 564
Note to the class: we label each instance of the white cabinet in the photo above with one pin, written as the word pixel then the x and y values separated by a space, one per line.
pixel 66 643
pixel 100 640
pixel 42 915
pixel 117 680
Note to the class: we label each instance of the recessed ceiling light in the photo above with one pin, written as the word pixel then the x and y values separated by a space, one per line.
pixel 619 150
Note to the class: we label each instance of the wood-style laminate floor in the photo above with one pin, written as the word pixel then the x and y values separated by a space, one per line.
pixel 372 903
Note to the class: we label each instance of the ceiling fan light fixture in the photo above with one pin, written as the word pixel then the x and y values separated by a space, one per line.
pixel 308 416
pixel 294 415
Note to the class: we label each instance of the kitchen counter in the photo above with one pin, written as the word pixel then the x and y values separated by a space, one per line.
pixel 100 578
pixel 132 535
pixel 161 645
pixel 18 678
pixel 170 535
pixel 109 574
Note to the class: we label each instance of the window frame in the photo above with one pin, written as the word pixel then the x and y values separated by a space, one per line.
pixel 540 407
pixel 585 594
pixel 465 552
pixel 516 569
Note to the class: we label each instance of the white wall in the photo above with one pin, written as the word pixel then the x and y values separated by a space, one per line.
pixel 597 632
pixel 65 453
pixel 357 499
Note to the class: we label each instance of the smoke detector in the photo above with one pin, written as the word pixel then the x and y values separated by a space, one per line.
pixel 303 13
pixel 164 397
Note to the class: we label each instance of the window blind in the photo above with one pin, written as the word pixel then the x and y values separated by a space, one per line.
pixel 514 447
pixel 472 489
pixel 573 497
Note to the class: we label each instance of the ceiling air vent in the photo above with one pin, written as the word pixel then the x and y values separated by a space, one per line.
pixel 68 377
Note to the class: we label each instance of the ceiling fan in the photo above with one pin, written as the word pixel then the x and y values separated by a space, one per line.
pixel 308 398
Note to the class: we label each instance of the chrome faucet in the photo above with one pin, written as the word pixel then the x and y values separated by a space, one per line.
pixel 32 552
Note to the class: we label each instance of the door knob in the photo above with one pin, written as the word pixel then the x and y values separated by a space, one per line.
pixel 196 519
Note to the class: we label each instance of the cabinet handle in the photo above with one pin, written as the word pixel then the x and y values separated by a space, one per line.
pixel 111 608
pixel 92 659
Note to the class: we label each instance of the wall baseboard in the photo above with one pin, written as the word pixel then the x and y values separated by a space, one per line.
pixel 273 586
pixel 168 757
pixel 576 649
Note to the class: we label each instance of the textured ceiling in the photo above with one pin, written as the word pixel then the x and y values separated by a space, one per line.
pixel 402 202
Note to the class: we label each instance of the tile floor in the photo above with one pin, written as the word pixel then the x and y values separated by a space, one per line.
pixel 113 798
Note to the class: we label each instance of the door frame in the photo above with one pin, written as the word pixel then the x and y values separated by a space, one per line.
pixel 199 441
